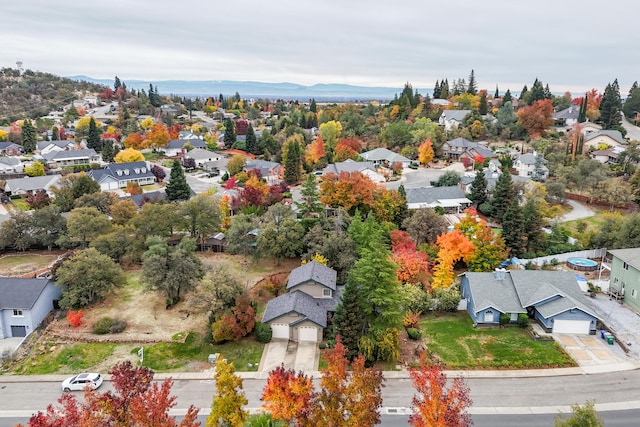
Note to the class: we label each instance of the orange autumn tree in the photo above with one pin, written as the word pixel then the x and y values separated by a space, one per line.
pixel 489 247
pixel 157 136
pixel 413 265
pixel 536 118
pixel 425 152
pixel 135 140
pixel 288 396
pixel 350 190
pixel 438 404
pixel 314 152
pixel 454 246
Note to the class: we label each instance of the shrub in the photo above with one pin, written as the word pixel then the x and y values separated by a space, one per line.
pixel 107 325
pixel 411 320
pixel 237 324
pixel 523 320
pixel 504 318
pixel 447 299
pixel 262 332
pixel 75 317
pixel 417 299
pixel 414 333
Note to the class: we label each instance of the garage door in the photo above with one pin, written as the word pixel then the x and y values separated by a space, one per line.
pixel 571 326
pixel 308 333
pixel 280 331
pixel 18 331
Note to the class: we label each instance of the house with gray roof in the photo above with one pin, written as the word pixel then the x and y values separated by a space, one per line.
pixel 624 280
pixel 366 168
pixel 610 138
pixel 461 148
pixel 58 159
pixel 119 175
pixel 272 172
pixel 44 147
pixel 567 117
pixel 552 298
pixel 451 119
pixel 385 157
pixel 11 165
pixel 24 303
pixel 452 199
pixel 301 314
pixel 27 185
pixel 178 147
pixel 8 148
pixel 531 165
pixel 202 156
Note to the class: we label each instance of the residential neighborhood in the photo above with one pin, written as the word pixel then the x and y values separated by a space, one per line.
pixel 276 234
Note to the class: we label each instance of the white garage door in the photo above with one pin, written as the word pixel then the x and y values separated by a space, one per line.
pixel 571 326
pixel 280 331
pixel 308 333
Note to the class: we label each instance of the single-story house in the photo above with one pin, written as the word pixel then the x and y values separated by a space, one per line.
pixel 177 147
pixel 27 185
pixel 553 298
pixel 11 165
pixel 624 280
pixel 272 172
pixel 24 303
pixel 451 119
pixel 385 157
pixel 57 159
pixel 610 138
pixel 201 156
pixel 119 175
pixel 44 147
pixel 10 149
pixel 151 196
pixel 367 169
pixel 451 198
pixel 302 313
pixel 610 156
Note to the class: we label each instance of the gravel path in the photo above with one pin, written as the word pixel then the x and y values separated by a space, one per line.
pixel 624 322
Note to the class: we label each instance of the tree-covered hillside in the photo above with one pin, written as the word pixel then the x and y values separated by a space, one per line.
pixel 32 94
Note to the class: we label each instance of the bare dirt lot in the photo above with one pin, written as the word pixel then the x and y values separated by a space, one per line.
pixel 147 318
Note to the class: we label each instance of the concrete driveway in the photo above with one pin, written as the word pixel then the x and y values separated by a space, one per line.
pixel 579 211
pixel 303 356
pixel 588 350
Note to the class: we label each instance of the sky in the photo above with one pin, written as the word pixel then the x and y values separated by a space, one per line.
pixel 571 45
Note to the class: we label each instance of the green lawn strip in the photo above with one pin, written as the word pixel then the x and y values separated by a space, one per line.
pixel 73 359
pixel 459 345
pixel 175 356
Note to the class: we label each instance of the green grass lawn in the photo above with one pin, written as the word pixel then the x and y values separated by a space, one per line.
pixel 73 359
pixel 459 345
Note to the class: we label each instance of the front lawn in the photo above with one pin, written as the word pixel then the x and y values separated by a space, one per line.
pixel 454 340
pixel 68 360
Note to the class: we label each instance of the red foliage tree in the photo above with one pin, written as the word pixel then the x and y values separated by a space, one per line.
pixel 401 240
pixel 75 317
pixel 343 152
pixel 38 199
pixel 536 118
pixel 237 324
pixel 230 184
pixel 437 405
pixel 288 396
pixel 351 190
pixel 241 127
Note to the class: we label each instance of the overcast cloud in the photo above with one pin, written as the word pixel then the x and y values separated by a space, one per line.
pixel 573 45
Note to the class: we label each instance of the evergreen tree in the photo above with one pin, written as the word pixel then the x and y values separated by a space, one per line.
pixel 349 320
pixel 513 229
pixel 497 94
pixel 523 93
pixel 611 106
pixel 533 226
pixel 292 161
pixel 536 93
pixel 55 133
pixel 117 84
pixel 28 136
pixel 403 211
pixel 503 195
pixel 473 86
pixel 444 90
pixel 436 90
pixel 229 133
pixel 483 106
pixel 631 105
pixel 309 196
pixel 507 97
pixel 108 151
pixel 547 92
pixel 479 193
pixel 93 136
pixel 251 143
pixel 582 114
pixel 177 188
pixel 312 106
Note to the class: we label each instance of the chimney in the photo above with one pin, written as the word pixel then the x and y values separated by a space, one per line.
pixel 500 274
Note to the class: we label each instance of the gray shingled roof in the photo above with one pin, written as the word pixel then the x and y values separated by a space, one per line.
pixel 180 143
pixel 32 183
pixel 111 170
pixel 433 194
pixel 20 293
pixel 296 302
pixel 613 134
pixel 630 255
pixel 457 115
pixel 568 113
pixel 378 154
pixel 348 166
pixel 314 271
pixel 70 154
pixel 488 292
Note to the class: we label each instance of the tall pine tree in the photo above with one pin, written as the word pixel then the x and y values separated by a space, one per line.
pixel 479 193
pixel 177 188
pixel 611 106
pixel 513 230
pixel 251 143
pixel 503 195
pixel 28 136
pixel 93 136
pixel 292 160
pixel 229 133
pixel 349 320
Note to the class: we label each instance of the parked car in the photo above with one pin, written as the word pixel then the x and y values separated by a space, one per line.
pixel 80 381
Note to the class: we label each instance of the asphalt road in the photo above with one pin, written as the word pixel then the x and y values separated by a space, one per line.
pixel 492 397
pixel 633 132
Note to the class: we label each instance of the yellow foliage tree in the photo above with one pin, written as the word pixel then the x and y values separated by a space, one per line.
pixel 147 123
pixel 330 132
pixel 35 169
pixel 82 128
pixel 157 136
pixel 454 246
pixel 3 135
pixel 425 152
pixel 129 155
pixel 317 258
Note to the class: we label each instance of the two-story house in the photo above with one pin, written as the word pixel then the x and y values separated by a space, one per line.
pixel 24 303
pixel 624 281
pixel 302 313
pixel 272 172
pixel 451 119
pixel 460 148
pixel 531 165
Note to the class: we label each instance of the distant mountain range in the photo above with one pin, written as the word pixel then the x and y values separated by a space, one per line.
pixel 248 89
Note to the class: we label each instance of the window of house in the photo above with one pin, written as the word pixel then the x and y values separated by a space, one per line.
pixel 17 313
pixel 634 293
pixel 625 265
pixel 326 292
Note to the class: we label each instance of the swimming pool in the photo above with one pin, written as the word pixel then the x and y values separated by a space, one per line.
pixel 582 264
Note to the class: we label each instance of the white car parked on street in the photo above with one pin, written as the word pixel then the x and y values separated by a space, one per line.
pixel 80 381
